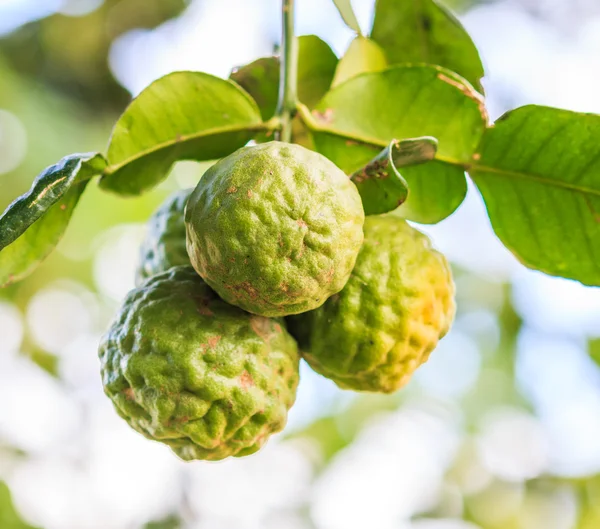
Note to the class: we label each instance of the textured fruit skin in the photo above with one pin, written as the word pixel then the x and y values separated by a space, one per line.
pixel 275 229
pixel 185 368
pixel 164 245
pixel 386 321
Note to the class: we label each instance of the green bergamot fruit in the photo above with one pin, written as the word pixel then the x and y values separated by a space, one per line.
pixel 185 368
pixel 164 244
pixel 397 304
pixel 275 229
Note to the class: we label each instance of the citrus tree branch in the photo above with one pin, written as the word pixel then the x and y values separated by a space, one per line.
pixel 286 106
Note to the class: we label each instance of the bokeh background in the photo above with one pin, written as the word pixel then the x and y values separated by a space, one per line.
pixel 500 430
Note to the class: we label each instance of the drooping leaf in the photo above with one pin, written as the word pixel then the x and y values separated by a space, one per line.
pixel 33 224
pixel 182 116
pixel 362 56
pixel 316 68
pixel 425 31
pixel 52 184
pixel 538 170
pixel 347 13
pixel 380 184
pixel 356 119
pixel 21 257
pixel 9 518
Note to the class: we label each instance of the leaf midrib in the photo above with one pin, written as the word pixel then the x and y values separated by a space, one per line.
pixel 474 168
pixel 470 168
pixel 257 127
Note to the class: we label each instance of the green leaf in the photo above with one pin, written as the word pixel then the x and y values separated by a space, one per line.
pixel 359 117
pixel 538 170
pixel 33 224
pixel 425 31
pixel 182 116
pixel 316 68
pixel 46 190
pixel 347 13
pixel 21 257
pixel 363 55
pixel 404 102
pixel 9 518
pixel 381 187
pixel 436 190
pixel 261 80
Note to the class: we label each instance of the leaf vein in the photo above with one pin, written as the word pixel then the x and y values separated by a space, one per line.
pixel 184 138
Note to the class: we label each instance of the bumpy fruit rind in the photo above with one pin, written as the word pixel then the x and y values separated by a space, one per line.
pixel 185 368
pixel 164 245
pixel 386 321
pixel 275 229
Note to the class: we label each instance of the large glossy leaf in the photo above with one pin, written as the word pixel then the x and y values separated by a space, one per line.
pixel 362 56
pixel 381 186
pixel 182 116
pixel 425 31
pixel 49 187
pixel 404 102
pixel 356 119
pixel 316 68
pixel 538 170
pixel 347 13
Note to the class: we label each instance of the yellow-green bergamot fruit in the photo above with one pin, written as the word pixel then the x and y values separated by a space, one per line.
pixel 187 369
pixel 398 303
pixel 275 229
pixel 164 244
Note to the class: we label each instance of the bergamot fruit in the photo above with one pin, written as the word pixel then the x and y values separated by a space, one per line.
pixel 274 229
pixel 164 244
pixel 185 368
pixel 397 304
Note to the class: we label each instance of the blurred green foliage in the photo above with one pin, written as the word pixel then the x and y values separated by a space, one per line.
pixel 9 519
pixel 70 53
pixel 170 522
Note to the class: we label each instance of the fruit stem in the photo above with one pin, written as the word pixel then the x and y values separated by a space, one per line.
pixel 287 103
